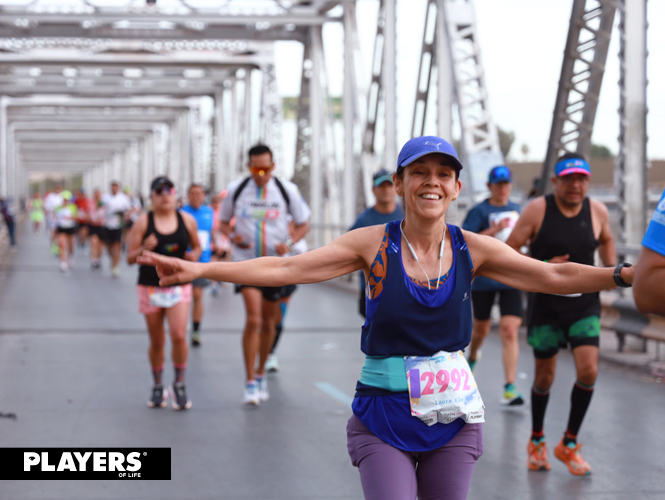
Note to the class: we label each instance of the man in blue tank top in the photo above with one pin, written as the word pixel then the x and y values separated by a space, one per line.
pixel 649 291
pixel 496 217
pixel 565 226
pixel 386 209
pixel 204 216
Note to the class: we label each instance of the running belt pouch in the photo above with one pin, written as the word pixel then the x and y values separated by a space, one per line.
pixel 164 297
pixel 442 389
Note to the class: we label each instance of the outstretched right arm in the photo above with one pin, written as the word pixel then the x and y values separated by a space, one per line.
pixel 350 252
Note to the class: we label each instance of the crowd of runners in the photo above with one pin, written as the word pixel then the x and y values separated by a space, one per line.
pixel 426 295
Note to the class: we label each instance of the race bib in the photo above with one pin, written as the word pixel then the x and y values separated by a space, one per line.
pixel 164 297
pixel 204 240
pixel 496 217
pixel 442 389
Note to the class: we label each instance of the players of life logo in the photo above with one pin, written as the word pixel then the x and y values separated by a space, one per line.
pixel 85 463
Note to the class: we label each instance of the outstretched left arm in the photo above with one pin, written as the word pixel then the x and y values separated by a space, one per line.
pixel 496 260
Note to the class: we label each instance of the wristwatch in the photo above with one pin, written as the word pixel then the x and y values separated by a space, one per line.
pixel 617 275
pixel 289 243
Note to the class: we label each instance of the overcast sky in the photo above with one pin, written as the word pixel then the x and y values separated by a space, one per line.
pixel 522 45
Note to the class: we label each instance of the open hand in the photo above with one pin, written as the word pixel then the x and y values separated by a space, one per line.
pixel 171 271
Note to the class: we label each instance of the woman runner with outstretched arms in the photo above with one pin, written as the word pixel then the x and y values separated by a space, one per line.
pixel 413 429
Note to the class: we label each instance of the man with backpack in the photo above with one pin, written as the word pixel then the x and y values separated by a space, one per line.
pixel 261 204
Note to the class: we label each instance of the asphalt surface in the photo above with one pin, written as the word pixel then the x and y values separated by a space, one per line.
pixel 74 370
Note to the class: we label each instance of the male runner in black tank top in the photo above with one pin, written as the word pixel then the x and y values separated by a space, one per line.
pixel 564 227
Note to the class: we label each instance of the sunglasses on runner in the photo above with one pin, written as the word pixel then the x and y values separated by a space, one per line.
pixel 259 170
pixel 159 190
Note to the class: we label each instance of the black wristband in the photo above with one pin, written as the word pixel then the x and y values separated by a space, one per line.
pixel 617 275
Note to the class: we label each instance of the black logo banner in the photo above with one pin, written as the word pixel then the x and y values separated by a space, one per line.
pixel 85 463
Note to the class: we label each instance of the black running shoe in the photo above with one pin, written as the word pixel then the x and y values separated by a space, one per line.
pixel 158 397
pixel 179 399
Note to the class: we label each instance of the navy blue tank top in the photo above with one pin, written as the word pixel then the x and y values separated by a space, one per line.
pixel 410 320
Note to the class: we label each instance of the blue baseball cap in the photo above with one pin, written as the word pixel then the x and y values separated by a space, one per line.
pixel 382 176
pixel 498 174
pixel 421 146
pixel 572 166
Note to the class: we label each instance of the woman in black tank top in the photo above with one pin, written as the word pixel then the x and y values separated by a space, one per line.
pixel 166 231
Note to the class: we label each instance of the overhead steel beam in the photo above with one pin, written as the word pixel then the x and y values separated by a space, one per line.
pixel 230 32
pixel 581 77
pixel 68 58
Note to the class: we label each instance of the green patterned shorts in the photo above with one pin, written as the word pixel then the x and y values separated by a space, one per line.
pixel 546 340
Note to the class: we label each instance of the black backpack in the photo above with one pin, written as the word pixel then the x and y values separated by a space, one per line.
pixel 243 185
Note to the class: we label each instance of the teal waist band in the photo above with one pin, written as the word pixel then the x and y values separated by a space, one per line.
pixel 385 373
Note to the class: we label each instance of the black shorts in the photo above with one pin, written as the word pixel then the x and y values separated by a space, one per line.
pixel 270 293
pixel 510 302
pixel 97 231
pixel 287 291
pixel 112 235
pixel 81 225
pixel 65 230
pixel 200 282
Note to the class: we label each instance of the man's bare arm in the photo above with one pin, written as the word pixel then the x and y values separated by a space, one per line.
pixel 648 289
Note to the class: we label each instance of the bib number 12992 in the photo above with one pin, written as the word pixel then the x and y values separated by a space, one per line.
pixel 442 388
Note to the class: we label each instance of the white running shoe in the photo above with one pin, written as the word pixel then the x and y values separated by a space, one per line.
pixel 115 272
pixel 251 396
pixel 64 267
pixel 263 389
pixel 272 365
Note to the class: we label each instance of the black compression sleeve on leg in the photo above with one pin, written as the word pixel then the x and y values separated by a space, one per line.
pixel 539 401
pixel 278 332
pixel 579 403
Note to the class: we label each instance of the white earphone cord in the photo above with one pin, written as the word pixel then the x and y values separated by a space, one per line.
pixel 415 257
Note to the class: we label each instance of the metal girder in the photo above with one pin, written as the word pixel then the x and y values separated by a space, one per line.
pixel 234 32
pixel 480 138
pixel 236 20
pixel 434 59
pixel 350 115
pixel 427 62
pixel 581 77
pixel 271 115
pixel 73 58
pixel 304 131
pixel 631 177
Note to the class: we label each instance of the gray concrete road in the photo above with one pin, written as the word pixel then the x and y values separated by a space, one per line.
pixel 73 368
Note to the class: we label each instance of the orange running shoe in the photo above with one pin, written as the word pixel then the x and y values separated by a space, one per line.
pixel 573 459
pixel 537 456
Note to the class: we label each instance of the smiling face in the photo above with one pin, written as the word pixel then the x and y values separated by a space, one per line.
pixel 428 185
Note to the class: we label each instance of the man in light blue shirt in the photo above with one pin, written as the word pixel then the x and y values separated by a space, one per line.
pixel 648 289
pixel 204 216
